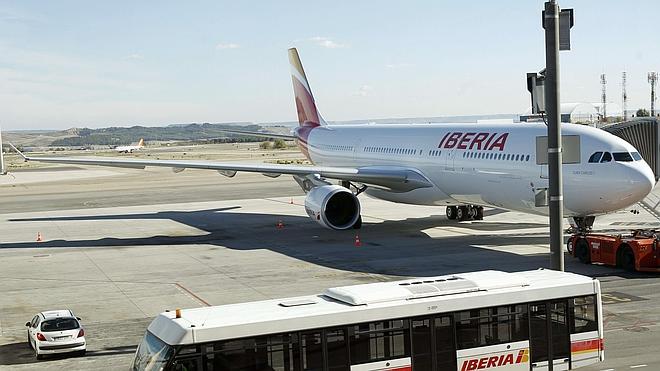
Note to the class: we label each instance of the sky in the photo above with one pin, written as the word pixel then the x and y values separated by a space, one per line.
pixel 94 64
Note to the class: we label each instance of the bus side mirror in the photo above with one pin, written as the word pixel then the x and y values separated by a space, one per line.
pixel 27 324
pixel 78 318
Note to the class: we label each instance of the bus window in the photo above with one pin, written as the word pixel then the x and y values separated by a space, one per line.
pixel 561 344
pixel 444 344
pixel 337 350
pixel 187 364
pixel 274 352
pixel 595 157
pixel 421 344
pixel 584 314
pixel 606 157
pixel 379 341
pixel 188 358
pixel 312 351
pixel 491 326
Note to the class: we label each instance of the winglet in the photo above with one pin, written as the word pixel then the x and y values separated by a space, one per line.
pixel 141 142
pixel 19 152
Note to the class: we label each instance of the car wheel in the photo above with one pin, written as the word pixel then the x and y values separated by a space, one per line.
pixel 582 251
pixel 29 341
pixel 628 259
pixel 81 353
pixel 37 355
pixel 569 246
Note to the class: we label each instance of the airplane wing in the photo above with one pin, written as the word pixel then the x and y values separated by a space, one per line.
pixel 394 178
pixel 262 134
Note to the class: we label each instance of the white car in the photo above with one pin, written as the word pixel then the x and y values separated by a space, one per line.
pixel 56 331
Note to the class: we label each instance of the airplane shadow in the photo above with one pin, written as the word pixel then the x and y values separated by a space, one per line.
pixel 21 353
pixel 397 247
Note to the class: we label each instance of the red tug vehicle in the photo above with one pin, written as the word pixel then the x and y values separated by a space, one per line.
pixel 637 251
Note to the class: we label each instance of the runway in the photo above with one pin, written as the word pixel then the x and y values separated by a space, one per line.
pixel 120 248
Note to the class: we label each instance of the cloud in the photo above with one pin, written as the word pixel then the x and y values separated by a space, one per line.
pixel 398 65
pixel 326 42
pixel 222 46
pixel 134 57
pixel 363 91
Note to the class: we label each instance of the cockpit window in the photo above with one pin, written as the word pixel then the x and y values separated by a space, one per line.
pixel 595 157
pixel 622 157
pixel 606 157
pixel 636 156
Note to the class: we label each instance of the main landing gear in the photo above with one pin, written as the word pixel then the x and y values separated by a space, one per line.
pixel 465 212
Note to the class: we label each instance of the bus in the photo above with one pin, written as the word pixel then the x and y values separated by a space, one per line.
pixel 489 320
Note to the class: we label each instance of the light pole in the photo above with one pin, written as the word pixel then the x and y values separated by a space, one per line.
pixel 552 107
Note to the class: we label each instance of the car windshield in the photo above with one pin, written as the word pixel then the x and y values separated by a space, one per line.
pixel 152 354
pixel 59 324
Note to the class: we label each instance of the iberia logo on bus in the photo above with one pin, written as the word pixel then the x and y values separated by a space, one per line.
pixel 514 358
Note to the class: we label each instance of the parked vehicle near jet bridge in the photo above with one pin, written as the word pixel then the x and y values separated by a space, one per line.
pixel 462 166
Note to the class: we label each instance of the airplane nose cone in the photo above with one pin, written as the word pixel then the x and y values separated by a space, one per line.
pixel 642 181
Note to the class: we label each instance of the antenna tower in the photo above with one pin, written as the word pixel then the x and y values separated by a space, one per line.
pixel 603 96
pixel 624 95
pixel 653 79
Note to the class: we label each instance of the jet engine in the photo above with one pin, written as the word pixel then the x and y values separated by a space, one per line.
pixel 333 206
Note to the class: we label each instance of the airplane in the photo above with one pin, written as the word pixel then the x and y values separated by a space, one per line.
pixel 462 167
pixel 130 149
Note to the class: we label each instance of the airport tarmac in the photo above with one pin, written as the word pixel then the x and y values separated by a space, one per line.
pixel 120 248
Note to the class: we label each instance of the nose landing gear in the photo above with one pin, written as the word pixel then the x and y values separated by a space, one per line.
pixel 465 212
pixel 582 224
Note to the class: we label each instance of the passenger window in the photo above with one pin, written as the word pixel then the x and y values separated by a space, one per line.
pixel 606 157
pixel 636 156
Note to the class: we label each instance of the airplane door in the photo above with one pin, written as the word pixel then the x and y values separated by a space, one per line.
pixel 356 148
pixel 540 186
pixel 449 160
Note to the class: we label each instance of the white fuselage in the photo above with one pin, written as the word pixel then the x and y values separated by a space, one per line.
pixel 127 149
pixel 487 164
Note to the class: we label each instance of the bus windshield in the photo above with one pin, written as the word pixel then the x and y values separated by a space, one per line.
pixel 152 354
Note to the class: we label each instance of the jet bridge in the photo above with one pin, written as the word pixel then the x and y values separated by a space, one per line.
pixel 643 134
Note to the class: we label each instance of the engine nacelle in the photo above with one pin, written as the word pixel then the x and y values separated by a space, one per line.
pixel 333 206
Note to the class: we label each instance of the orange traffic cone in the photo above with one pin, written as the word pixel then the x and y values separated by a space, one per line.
pixel 39 238
pixel 358 243
pixel 279 225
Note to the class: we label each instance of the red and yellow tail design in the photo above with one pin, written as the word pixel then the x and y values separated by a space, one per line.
pixel 308 115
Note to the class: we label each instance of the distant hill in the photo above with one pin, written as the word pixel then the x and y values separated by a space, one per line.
pixel 114 136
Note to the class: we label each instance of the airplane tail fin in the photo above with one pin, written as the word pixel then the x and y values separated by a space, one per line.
pixel 141 143
pixel 308 115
